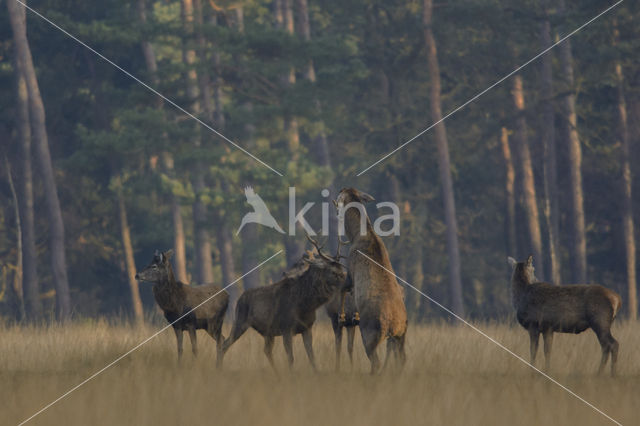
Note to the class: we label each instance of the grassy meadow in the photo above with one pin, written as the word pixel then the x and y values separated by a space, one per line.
pixel 453 376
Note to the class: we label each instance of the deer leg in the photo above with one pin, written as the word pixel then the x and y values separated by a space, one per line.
pixel 401 353
pixel 391 348
pixel 547 336
pixel 178 332
pixel 371 339
pixel 214 328
pixel 534 337
pixel 351 334
pixel 614 354
pixel 337 331
pixel 342 317
pixel 609 346
pixel 239 327
pixel 287 341
pixel 307 338
pixel 268 351
pixel 194 340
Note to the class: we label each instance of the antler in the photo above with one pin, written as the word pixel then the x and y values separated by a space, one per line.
pixel 319 248
pixel 340 244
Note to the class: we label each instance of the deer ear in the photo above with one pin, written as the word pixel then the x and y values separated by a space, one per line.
pixel 512 262
pixel 365 197
pixel 168 254
pixel 530 260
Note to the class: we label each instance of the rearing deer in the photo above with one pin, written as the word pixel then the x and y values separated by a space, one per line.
pixel 378 296
pixel 545 308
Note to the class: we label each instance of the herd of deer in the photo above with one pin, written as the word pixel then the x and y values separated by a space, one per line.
pixel 365 293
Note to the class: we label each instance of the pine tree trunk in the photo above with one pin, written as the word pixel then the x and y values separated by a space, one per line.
pixel 17 285
pixel 293 248
pixel 130 264
pixel 39 133
pixel 443 163
pixel 180 258
pixel 204 269
pixel 320 144
pixel 31 284
pixel 528 188
pixel 578 249
pixel 510 178
pixel 249 234
pixel 250 241
pixel 549 162
pixel 627 200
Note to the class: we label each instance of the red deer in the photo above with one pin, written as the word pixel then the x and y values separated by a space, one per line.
pixel 542 308
pixel 378 296
pixel 288 307
pixel 176 299
pixel 341 308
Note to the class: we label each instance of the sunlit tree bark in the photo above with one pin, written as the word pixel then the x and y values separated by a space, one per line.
pixel 627 200
pixel 547 129
pixel 527 184
pixel 578 248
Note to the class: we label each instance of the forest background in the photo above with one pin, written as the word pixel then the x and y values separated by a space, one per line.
pixel 98 172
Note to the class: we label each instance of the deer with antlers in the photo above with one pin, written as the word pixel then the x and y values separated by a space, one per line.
pixel 288 307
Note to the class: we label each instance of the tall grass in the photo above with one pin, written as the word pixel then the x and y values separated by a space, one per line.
pixel 452 376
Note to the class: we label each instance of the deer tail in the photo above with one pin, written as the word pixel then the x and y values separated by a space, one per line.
pixel 616 302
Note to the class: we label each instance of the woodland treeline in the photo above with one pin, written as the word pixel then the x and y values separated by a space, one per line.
pixel 98 171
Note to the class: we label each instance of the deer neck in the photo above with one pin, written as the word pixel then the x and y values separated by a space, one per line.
pixel 519 284
pixel 317 289
pixel 352 221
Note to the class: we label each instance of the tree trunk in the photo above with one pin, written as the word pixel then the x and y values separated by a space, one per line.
pixel 549 171
pixel 528 188
pixel 249 234
pixel 578 249
pixel 627 201
pixel 204 269
pixel 38 127
pixel 127 247
pixel 17 284
pixel 180 258
pixel 320 144
pixel 293 248
pixel 443 163
pixel 249 237
pixel 23 123
pixel 510 178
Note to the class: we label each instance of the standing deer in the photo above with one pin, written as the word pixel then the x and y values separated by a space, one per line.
pixel 542 308
pixel 177 299
pixel 288 307
pixel 341 308
pixel 378 296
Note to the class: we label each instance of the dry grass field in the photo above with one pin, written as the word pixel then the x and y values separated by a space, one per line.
pixel 453 376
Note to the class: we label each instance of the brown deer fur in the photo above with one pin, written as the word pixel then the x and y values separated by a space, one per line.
pixel 288 307
pixel 542 308
pixel 334 308
pixel 378 296
pixel 177 299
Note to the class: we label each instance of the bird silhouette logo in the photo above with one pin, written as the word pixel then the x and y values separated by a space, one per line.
pixel 260 213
